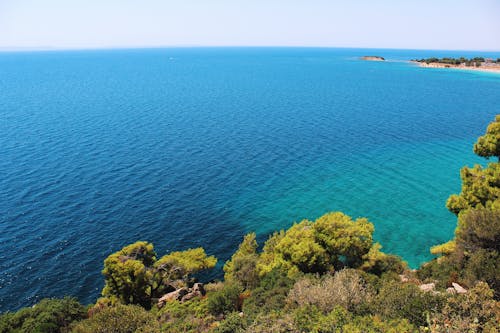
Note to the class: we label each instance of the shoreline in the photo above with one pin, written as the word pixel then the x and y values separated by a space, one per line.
pixel 487 69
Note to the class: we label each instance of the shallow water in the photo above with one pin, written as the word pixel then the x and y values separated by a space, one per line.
pixel 196 147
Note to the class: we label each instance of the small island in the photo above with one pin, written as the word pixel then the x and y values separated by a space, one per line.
pixel 477 63
pixel 373 58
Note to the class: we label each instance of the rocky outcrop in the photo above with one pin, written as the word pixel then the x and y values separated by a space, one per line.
pixel 197 291
pixel 458 288
pixel 373 58
pixel 183 294
pixel 173 296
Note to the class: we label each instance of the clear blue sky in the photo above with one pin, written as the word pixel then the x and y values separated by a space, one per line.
pixel 422 24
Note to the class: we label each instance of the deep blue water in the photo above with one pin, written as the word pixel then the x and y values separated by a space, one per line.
pixel 196 147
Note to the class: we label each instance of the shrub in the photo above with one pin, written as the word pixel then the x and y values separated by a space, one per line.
pixel 233 323
pixel 475 311
pixel 269 296
pixel 404 300
pixel 346 289
pixel 224 301
pixel 48 316
pixel 119 319
pixel 192 316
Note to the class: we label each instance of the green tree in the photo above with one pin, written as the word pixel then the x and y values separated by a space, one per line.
pixel 480 188
pixel 473 254
pixel 332 242
pixel 48 316
pixel 181 264
pixel 242 268
pixel 346 241
pixel 128 274
pixel 134 276
pixel 488 145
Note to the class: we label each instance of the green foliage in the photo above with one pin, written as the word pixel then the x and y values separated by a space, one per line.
pixel 134 276
pixel 48 316
pixel 396 300
pixel 300 250
pixel 473 255
pixel 443 270
pixel 377 262
pixel 128 275
pixel 233 323
pixel 488 145
pixel 192 316
pixel 119 319
pixel 369 324
pixel 270 295
pixel 475 311
pixel 478 229
pixel 242 268
pixel 333 241
pixel 480 188
pixel 181 264
pixel 345 240
pixel 224 301
pixel 477 61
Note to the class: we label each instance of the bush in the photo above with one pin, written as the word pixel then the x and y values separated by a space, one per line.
pixel 404 300
pixel 48 316
pixel 475 311
pixel 345 289
pixel 224 301
pixel 119 319
pixel 376 325
pixel 232 324
pixel 269 296
pixel 192 316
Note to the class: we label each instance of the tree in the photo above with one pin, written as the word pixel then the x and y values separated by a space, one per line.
pixel 242 268
pixel 48 316
pixel 180 265
pixel 134 276
pixel 473 254
pixel 332 242
pixel 488 145
pixel 128 274
pixel 345 240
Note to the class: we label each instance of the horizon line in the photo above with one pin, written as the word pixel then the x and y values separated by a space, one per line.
pixel 144 47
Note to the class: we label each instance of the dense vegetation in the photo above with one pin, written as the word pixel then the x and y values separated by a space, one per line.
pixel 477 61
pixel 318 276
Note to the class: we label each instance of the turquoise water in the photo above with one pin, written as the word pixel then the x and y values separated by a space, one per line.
pixel 198 146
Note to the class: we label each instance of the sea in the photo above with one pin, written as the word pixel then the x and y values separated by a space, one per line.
pixel 188 147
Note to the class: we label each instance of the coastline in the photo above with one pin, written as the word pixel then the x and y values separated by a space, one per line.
pixel 487 69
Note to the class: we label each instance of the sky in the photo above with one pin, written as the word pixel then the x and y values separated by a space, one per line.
pixel 422 24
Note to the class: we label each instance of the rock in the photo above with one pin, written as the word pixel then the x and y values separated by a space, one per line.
pixel 458 288
pixel 403 278
pixel 190 296
pixel 199 288
pixel 174 295
pixel 373 58
pixel 451 290
pixel 197 291
pixel 427 287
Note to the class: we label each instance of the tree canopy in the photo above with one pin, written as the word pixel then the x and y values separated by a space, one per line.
pixel 133 275
pixel 330 243
pixel 488 145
